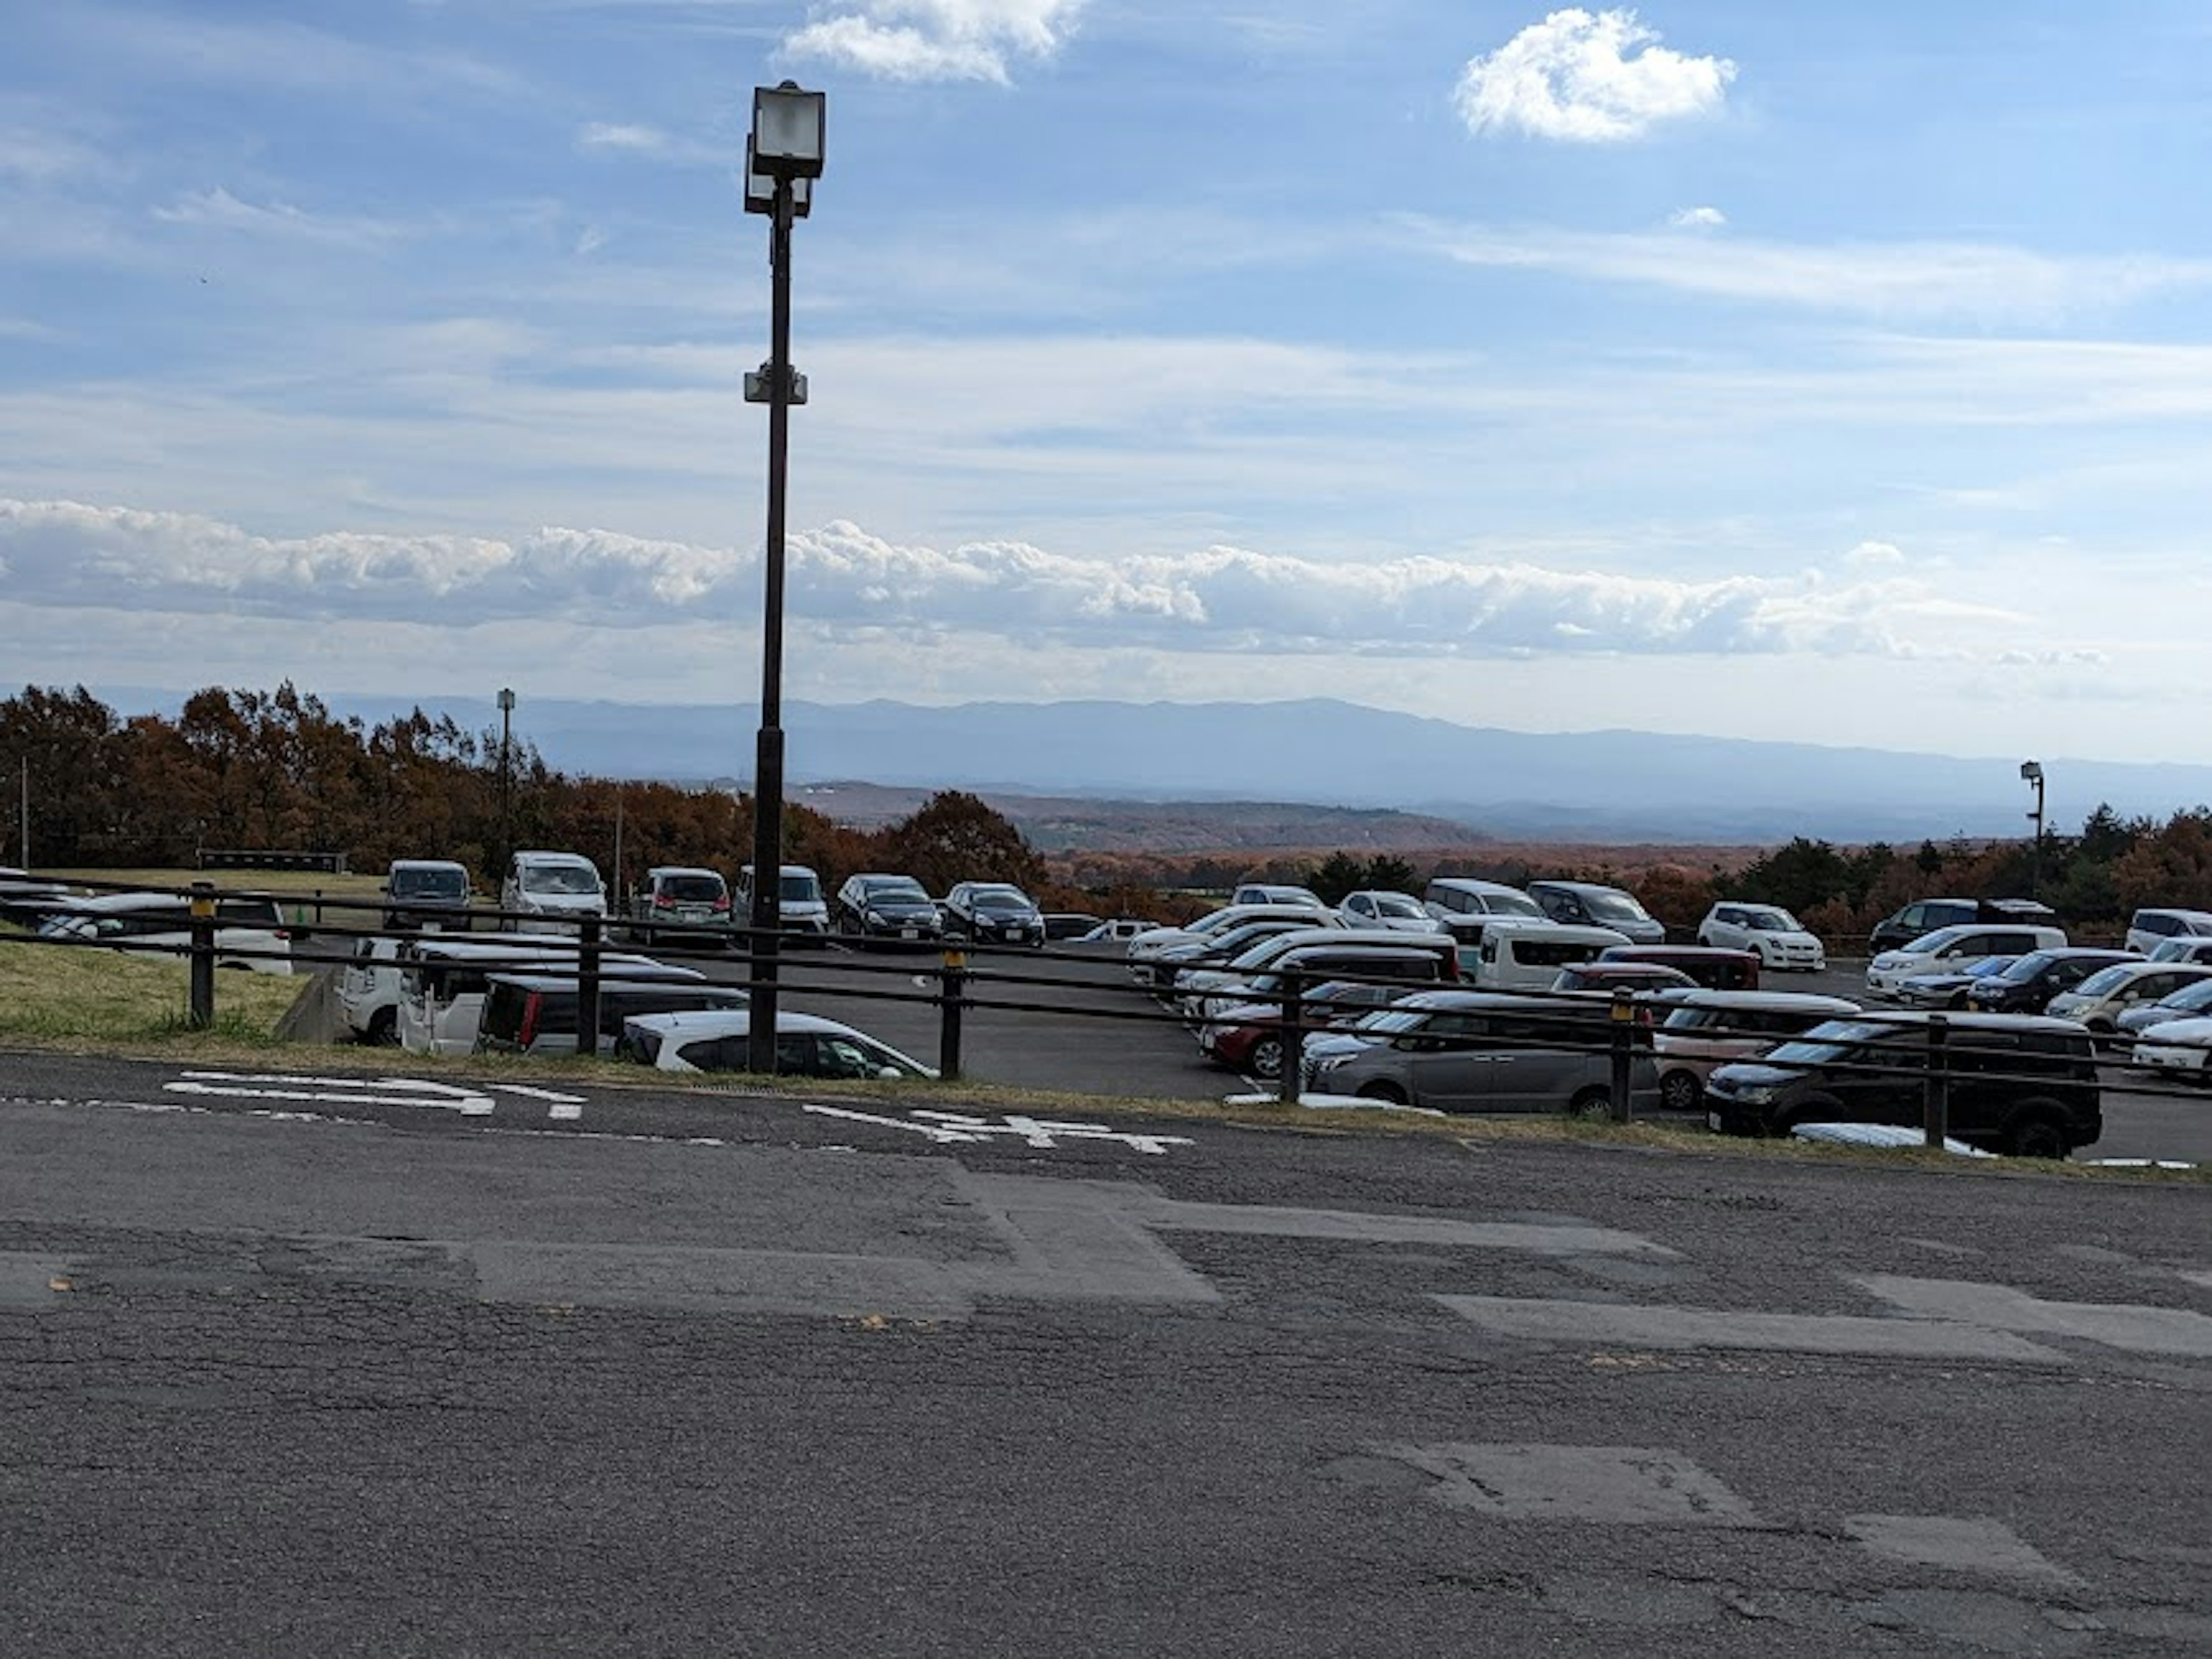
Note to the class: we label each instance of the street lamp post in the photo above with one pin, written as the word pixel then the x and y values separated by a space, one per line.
pixel 2032 772
pixel 506 781
pixel 783 158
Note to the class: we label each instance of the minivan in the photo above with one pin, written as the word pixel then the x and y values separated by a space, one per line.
pixel 2148 929
pixel 552 888
pixel 442 981
pixel 2018 1084
pixel 1714 966
pixel 1947 948
pixel 1527 955
pixel 1706 1029
pixel 1463 906
pixel 799 906
pixel 1925 915
pixel 1593 904
pixel 535 1014
pixel 426 893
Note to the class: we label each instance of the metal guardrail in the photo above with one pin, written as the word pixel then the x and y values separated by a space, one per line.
pixel 968 978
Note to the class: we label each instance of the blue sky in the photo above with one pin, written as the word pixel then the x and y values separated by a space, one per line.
pixel 1836 373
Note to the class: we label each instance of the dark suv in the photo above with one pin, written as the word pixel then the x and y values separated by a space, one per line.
pixel 1926 915
pixel 2027 985
pixel 2019 1083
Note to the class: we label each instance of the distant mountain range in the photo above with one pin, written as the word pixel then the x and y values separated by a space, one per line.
pixel 1589 787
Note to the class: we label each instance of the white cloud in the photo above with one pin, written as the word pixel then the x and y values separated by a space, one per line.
pixel 219 209
pixel 1874 553
pixel 937 40
pixel 1582 78
pixel 1901 280
pixel 1697 218
pixel 613 135
pixel 847 583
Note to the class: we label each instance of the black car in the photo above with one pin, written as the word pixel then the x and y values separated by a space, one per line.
pixel 1926 915
pixel 2018 1083
pixel 1948 990
pixel 992 913
pixel 2028 985
pixel 426 893
pixel 888 907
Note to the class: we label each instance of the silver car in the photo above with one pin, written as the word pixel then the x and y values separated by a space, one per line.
pixel 1480 1051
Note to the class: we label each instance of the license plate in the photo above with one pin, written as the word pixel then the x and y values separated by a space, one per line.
pixel 909 932
pixel 1713 1121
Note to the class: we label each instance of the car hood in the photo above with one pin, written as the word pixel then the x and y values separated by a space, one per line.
pixel 2193 1030
pixel 1751 1074
pixel 1339 1043
pixel 901 907
pixel 590 903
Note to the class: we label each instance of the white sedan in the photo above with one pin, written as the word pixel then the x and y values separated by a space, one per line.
pixel 719 1040
pixel 2181 1045
pixel 1780 940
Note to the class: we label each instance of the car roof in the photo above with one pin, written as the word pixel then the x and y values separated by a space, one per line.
pixel 1780 1002
pixel 1684 952
pixel 1578 886
pixel 1966 1020
pixel 684 869
pixel 721 1022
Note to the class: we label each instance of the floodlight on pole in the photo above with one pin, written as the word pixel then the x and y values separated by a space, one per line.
pixel 783 157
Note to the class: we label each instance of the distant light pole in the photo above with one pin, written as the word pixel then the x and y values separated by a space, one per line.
pixel 783 158
pixel 506 781
pixel 2032 772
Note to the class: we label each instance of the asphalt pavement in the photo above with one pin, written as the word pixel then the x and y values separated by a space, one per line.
pixel 302 1360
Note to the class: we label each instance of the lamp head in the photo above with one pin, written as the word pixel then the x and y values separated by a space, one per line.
pixel 2030 771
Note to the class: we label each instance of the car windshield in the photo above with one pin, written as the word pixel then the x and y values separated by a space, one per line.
pixel 1512 904
pixel 1981 965
pixel 2192 999
pixel 2027 967
pixel 801 889
pixel 560 878
pixel 1393 1019
pixel 692 889
pixel 1837 1040
pixel 430 883
pixel 2105 980
pixel 1614 907
pixel 1398 904
pixel 1927 943
pixel 1772 922
pixel 1695 1019
pixel 999 898
pixel 900 890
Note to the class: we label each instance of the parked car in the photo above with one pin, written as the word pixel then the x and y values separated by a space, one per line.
pixel 1711 966
pixel 1197 989
pixel 26 900
pixel 719 1040
pixel 1405 966
pixel 551 890
pixel 1072 925
pixel 1477 1051
pixel 2018 1084
pixel 2182 948
pixel 537 1013
pixel 1463 906
pixel 2178 1048
pixel 2148 929
pixel 2029 983
pixel 1778 938
pixel 1386 909
pixel 681 903
pixel 2100 1001
pixel 1151 941
pixel 1944 950
pixel 799 906
pixel 1224 944
pixel 1947 990
pixel 1271 892
pixel 1603 975
pixel 426 893
pixel 1118 928
pixel 1248 1037
pixel 1592 904
pixel 368 989
pixel 1516 955
pixel 992 913
pixel 893 908
pixel 2187 1003
pixel 1925 915
pixel 249 932
pixel 1705 1029
pixel 443 979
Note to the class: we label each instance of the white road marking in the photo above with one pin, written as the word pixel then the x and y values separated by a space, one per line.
pixel 1046 1134
pixel 2134 1327
pixel 529 1093
pixel 932 1132
pixel 1622 1485
pixel 1616 1324
pixel 335 1090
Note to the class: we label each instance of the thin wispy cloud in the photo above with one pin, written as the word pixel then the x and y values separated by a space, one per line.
pixel 618 137
pixel 937 40
pixel 218 209
pixel 1583 77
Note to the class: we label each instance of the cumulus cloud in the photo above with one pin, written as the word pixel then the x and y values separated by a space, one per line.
pixel 1874 553
pixel 937 39
pixel 1697 218
pixel 1586 78
pixel 847 583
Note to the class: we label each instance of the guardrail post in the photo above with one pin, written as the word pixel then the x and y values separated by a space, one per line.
pixel 1293 1028
pixel 200 1014
pixel 587 989
pixel 952 993
pixel 1936 1104
pixel 1619 1106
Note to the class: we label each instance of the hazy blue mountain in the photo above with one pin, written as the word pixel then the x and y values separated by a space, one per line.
pixel 1591 786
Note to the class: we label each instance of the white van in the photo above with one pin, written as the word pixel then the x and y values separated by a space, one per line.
pixel 442 981
pixel 2148 929
pixel 369 989
pixel 1527 955
pixel 552 888
pixel 249 932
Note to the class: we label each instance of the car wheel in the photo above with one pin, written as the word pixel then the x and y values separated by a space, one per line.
pixel 2037 1134
pixel 1680 1092
pixel 1591 1103
pixel 383 1030
pixel 1266 1059
pixel 1390 1091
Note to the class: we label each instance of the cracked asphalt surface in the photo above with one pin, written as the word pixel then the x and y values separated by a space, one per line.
pixel 687 1374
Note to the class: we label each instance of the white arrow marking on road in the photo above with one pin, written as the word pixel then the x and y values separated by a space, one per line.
pixel 563 1109
pixel 334 1091
pixel 932 1131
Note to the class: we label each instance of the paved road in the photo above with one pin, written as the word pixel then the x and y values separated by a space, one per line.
pixel 598 1371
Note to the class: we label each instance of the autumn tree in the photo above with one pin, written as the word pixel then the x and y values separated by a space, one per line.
pixel 954 836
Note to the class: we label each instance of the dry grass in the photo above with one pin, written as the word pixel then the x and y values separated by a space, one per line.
pixel 83 997
pixel 295 888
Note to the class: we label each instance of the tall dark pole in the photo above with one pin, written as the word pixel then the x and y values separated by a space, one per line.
pixel 505 781
pixel 768 758
pixel 2035 850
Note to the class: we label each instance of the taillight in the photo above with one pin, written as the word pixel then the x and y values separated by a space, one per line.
pixel 723 902
pixel 663 902
pixel 529 1032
